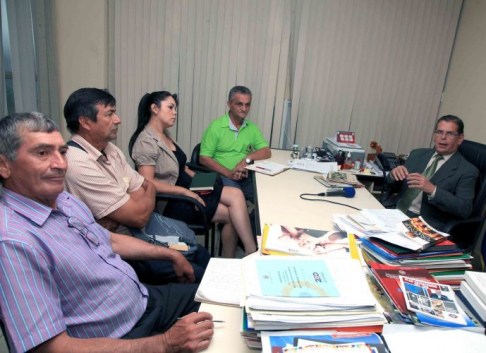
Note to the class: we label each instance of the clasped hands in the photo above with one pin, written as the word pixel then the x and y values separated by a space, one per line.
pixel 414 180
pixel 239 172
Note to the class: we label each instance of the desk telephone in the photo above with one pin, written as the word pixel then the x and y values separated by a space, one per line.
pixel 387 161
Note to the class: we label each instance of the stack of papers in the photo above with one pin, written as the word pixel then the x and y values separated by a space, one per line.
pixel 266 167
pixel 392 226
pixel 307 293
pixel 384 239
pixel 313 165
pixel 221 283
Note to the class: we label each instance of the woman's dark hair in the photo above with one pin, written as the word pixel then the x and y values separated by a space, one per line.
pixel 145 112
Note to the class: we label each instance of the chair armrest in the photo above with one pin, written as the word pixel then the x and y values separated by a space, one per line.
pixel 171 197
pixel 464 232
pixel 451 225
pixel 387 192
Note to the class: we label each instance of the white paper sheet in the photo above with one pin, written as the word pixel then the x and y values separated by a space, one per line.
pixel 222 282
pixel 313 166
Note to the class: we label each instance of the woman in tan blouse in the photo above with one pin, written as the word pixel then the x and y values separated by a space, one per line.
pixel 160 160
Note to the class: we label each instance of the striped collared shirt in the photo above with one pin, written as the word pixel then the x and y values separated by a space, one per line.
pixel 58 272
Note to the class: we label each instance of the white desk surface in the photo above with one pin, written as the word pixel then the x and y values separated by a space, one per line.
pixel 279 198
pixel 279 202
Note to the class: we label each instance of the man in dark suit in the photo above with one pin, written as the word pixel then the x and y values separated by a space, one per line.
pixel 438 183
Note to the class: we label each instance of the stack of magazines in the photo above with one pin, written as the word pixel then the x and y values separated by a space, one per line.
pixel 418 298
pixel 445 261
pixel 390 237
pixel 307 293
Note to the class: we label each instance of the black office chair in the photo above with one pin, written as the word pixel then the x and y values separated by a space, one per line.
pixel 2 327
pixel 205 227
pixel 194 163
pixel 479 249
pixel 466 231
pixel 388 193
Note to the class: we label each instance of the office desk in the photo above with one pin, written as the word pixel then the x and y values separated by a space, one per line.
pixel 278 198
pixel 278 202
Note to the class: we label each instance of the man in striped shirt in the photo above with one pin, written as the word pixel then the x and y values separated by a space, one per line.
pixel 63 283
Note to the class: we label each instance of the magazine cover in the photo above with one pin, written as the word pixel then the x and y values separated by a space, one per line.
pixel 309 242
pixel 431 299
pixel 422 233
pixel 273 342
pixel 389 278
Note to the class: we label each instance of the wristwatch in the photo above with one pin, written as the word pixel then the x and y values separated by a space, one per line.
pixel 248 161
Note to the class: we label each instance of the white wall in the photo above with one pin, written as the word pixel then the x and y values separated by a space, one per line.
pixel 465 91
pixel 81 36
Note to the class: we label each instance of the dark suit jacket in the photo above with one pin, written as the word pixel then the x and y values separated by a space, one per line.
pixel 455 181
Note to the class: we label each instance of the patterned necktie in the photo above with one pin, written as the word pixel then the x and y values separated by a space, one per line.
pixel 410 194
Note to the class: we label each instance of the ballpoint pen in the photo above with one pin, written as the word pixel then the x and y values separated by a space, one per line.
pixel 217 321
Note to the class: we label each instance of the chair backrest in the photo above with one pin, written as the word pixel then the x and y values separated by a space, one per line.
pixel 475 153
pixel 195 154
pixel 384 164
pixel 4 333
pixel 479 249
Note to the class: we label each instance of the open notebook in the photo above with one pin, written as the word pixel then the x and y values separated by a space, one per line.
pixel 269 168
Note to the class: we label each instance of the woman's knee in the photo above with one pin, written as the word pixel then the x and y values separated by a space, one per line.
pixel 233 194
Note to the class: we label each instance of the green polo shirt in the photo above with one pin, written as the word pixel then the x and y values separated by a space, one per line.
pixel 227 146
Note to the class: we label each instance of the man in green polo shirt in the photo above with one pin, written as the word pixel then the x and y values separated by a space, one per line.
pixel 231 142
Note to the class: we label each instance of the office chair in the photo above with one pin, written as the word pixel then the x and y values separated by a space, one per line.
pixel 2 327
pixel 468 229
pixel 194 163
pixel 479 249
pixel 205 227
pixel 387 197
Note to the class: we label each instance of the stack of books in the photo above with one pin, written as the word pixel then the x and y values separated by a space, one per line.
pixel 417 298
pixel 473 294
pixel 445 261
pixel 307 293
pixel 390 237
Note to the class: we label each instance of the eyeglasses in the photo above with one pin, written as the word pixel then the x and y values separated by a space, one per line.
pixel 448 134
pixel 89 236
